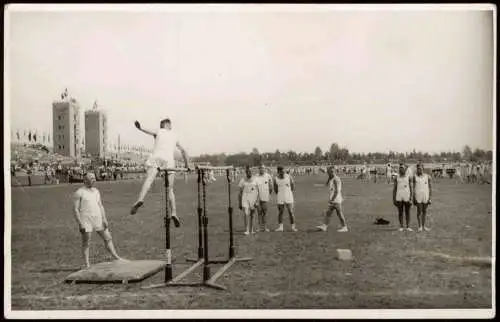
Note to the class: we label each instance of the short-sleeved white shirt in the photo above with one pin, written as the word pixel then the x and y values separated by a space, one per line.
pixel 165 145
pixel 263 182
pixel 250 186
pixel 89 201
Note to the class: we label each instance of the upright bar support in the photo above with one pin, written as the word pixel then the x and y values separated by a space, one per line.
pixel 206 268
pixel 200 222
pixel 168 267
pixel 232 253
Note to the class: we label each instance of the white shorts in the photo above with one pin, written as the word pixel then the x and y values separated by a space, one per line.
pixel 249 202
pixel 421 197
pixel 91 223
pixel 338 199
pixel 287 199
pixel 157 162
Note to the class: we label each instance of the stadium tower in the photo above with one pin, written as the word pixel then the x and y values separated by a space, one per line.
pixel 96 132
pixel 66 136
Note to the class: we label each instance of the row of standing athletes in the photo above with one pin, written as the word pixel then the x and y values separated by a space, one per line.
pixel 255 192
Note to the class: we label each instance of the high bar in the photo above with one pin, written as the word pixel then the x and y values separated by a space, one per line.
pixel 206 167
pixel 174 169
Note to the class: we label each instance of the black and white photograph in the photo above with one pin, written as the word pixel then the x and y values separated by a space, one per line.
pixel 249 160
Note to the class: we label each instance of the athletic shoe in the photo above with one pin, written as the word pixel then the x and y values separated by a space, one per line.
pixel 294 229
pixel 266 230
pixel 420 229
pixel 427 228
pixel 401 229
pixel 247 233
pixel 343 229
pixel 176 220
pixel 321 227
pixel 136 207
pixel 409 229
pixel 280 229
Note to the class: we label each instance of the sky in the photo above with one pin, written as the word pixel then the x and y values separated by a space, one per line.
pixel 283 77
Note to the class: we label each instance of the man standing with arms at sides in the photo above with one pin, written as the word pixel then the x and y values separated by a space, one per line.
pixel 443 171
pixel 469 172
pixel 401 196
pixel 284 186
pixel 422 192
pixel 265 186
pixel 459 173
pixel 248 199
pixel 388 173
pixel 162 157
pixel 90 215
pixel 334 185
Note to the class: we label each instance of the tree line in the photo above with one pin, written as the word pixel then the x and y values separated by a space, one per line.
pixel 341 155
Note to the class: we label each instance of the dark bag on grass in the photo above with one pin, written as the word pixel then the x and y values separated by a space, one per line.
pixel 381 221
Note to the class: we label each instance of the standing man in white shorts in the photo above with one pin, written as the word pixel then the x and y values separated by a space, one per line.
pixel 284 186
pixel 401 196
pixel 335 199
pixel 388 173
pixel 90 215
pixel 265 186
pixel 422 192
pixel 162 157
pixel 248 199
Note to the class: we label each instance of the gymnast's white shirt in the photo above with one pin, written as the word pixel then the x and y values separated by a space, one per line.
pixel 164 147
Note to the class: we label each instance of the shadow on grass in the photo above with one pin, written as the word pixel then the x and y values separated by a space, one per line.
pixel 58 270
pixel 313 230
pixel 381 229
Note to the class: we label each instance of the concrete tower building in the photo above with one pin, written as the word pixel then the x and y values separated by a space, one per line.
pixel 96 132
pixel 66 136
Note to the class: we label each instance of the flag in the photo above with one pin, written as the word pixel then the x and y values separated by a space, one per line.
pixel 48 138
pixel 29 136
pixel 43 137
pixel 64 94
pixel 34 136
pixel 17 133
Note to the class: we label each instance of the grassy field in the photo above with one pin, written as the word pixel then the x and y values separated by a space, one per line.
pixel 390 269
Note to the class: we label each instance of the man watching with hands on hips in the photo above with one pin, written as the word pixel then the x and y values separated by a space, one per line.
pixel 162 158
